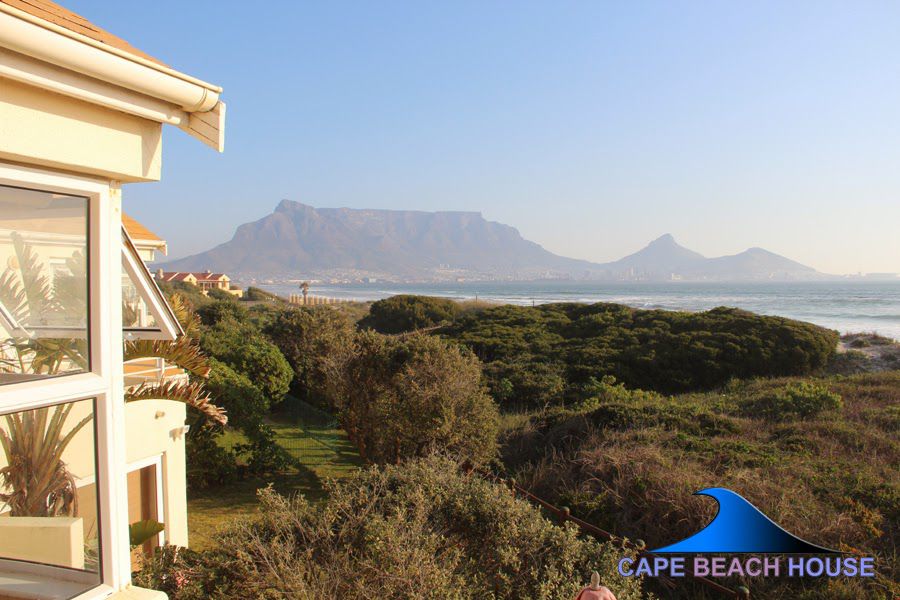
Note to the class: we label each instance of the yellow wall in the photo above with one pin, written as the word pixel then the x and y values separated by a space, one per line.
pixel 38 127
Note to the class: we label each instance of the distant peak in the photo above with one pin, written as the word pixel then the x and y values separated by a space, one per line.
pixel 289 205
pixel 667 239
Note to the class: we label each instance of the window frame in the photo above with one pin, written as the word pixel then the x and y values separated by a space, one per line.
pixel 104 382
pixel 167 325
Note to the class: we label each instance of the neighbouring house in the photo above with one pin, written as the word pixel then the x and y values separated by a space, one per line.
pixel 206 280
pixel 81 117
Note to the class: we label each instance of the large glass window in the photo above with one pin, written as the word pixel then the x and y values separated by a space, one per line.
pixel 49 526
pixel 43 284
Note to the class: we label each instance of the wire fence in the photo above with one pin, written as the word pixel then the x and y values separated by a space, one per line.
pixel 313 436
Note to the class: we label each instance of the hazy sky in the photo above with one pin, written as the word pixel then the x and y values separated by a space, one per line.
pixel 591 127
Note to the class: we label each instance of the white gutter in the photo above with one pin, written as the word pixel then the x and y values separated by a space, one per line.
pixel 25 69
pixel 29 35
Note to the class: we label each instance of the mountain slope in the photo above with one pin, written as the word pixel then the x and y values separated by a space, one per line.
pixel 758 263
pixel 299 239
pixel 662 256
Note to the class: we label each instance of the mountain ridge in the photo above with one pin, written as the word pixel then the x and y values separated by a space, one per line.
pixel 299 240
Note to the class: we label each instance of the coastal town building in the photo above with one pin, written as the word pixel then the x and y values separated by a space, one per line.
pixel 81 117
pixel 205 280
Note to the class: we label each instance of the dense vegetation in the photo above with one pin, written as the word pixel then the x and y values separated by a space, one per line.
pixel 395 397
pixel 820 457
pixel 419 530
pixel 546 354
pixel 754 411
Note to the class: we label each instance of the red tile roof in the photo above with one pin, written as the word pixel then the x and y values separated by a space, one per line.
pixel 63 17
pixel 181 276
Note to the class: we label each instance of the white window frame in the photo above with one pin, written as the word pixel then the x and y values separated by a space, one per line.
pixel 104 383
pixel 167 325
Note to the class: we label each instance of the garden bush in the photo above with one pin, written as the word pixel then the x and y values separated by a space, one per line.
pixel 316 342
pixel 418 530
pixel 795 400
pixel 404 397
pixel 404 312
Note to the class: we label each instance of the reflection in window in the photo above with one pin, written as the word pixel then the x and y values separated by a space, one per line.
pixel 135 313
pixel 145 312
pixel 49 530
pixel 43 284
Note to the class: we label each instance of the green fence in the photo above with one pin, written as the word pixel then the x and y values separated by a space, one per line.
pixel 314 437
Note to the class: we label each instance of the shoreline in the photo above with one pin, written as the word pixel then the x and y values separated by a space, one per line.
pixel 847 308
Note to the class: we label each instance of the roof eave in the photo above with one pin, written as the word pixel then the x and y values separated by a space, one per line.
pixel 118 79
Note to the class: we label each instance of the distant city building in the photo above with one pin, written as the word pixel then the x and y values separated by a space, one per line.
pixel 206 280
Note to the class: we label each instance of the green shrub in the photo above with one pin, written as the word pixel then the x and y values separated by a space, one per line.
pixel 631 465
pixel 217 311
pixel 208 464
pixel 246 350
pixel 419 530
pixel 803 399
pixel 405 312
pixel 217 294
pixel 254 294
pixel 404 397
pixel 316 342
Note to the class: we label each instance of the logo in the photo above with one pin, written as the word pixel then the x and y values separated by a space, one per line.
pixel 741 528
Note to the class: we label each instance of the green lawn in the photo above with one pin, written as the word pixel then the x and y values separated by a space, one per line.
pixel 322 451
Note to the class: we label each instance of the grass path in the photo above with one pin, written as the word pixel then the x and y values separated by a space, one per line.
pixel 322 451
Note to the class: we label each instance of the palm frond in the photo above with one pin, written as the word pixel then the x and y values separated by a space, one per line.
pixel 185 314
pixel 192 394
pixel 184 352
pixel 36 286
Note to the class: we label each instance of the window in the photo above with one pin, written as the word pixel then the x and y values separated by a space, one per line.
pixel 145 312
pixel 49 530
pixel 60 374
pixel 43 284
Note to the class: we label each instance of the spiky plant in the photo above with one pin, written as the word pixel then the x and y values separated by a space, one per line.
pixel 37 480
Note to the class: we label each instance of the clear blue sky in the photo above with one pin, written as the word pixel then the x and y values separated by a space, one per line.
pixel 592 127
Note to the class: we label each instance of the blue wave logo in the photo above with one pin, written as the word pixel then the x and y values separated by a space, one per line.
pixel 739 527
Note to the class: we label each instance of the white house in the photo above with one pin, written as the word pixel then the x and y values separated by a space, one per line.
pixel 81 116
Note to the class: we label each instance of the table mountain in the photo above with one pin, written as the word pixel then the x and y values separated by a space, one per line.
pixel 297 239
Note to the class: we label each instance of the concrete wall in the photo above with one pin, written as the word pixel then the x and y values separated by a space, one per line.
pixel 56 541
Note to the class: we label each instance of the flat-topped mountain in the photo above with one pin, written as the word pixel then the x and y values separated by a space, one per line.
pixel 298 240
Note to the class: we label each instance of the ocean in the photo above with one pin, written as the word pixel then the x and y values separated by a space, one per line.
pixel 844 306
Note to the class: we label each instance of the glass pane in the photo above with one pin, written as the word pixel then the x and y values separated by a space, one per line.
pixel 43 284
pixel 145 312
pixel 135 314
pixel 49 527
